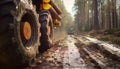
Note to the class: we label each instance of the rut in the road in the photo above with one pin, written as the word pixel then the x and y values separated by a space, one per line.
pixel 103 57
pixel 72 57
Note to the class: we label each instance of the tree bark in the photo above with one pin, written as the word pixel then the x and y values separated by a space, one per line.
pixel 96 23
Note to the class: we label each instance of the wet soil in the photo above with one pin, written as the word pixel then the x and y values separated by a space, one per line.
pixel 73 53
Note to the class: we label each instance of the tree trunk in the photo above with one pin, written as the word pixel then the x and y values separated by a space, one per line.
pixel 96 23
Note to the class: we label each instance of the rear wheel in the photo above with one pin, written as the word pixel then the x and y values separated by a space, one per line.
pixel 19 32
pixel 46 30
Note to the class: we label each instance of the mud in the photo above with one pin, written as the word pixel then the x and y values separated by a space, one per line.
pixel 74 53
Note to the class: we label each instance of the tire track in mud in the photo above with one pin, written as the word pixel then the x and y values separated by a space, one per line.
pixel 103 58
pixel 72 55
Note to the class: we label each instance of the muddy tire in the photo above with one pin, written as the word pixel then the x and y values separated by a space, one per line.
pixel 19 32
pixel 46 30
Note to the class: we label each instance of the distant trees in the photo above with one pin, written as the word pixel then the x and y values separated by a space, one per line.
pixel 97 15
pixel 67 20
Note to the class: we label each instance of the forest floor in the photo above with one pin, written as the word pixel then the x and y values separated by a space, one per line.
pixel 109 36
pixel 78 52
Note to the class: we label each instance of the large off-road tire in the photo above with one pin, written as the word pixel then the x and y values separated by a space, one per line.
pixel 46 30
pixel 19 32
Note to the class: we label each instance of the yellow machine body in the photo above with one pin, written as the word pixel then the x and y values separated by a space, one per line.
pixel 46 5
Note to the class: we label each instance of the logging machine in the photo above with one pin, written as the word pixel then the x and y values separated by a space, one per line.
pixel 26 29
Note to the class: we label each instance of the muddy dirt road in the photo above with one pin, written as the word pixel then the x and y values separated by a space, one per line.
pixel 79 52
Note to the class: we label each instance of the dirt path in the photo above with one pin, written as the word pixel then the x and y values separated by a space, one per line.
pixel 64 54
pixel 76 53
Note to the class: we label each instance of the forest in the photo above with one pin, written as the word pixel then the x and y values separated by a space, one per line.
pixel 97 15
pixel 92 15
pixel 100 18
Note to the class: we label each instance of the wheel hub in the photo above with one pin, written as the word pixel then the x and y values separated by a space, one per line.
pixel 27 31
